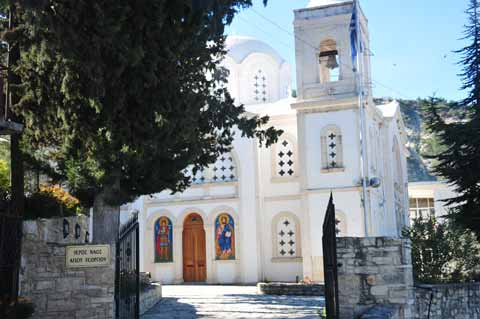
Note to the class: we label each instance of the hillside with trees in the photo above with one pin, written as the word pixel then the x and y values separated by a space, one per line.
pixel 422 144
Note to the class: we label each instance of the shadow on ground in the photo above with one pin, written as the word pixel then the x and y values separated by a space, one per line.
pixel 224 303
pixel 276 300
pixel 171 308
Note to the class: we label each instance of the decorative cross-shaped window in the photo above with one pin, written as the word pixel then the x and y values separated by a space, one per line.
pixel 286 237
pixel 260 87
pixel 197 178
pixel 285 158
pixel 331 145
pixel 332 150
pixel 224 169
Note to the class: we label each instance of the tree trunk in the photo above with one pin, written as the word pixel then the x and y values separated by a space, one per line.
pixel 106 217
pixel 106 221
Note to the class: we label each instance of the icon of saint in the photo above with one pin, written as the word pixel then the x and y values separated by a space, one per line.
pixel 224 237
pixel 163 240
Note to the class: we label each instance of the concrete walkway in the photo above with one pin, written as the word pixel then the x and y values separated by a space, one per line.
pixel 230 302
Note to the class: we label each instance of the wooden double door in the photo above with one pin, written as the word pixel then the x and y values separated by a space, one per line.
pixel 194 252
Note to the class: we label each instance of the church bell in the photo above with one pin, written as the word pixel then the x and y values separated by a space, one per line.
pixel 332 62
pixel 331 56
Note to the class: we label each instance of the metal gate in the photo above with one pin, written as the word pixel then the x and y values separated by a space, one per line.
pixel 127 271
pixel 10 241
pixel 329 241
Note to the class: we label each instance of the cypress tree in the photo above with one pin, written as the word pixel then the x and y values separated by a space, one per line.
pixel 121 96
pixel 459 162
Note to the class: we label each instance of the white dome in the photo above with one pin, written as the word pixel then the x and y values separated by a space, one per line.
pixel 321 3
pixel 257 73
pixel 240 47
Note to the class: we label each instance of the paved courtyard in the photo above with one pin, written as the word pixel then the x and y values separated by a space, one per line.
pixel 230 302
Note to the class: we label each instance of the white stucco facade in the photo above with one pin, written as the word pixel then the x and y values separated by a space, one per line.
pixel 285 188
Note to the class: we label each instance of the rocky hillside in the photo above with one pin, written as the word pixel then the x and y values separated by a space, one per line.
pixel 421 143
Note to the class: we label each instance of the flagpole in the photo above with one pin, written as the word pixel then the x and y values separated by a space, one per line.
pixel 363 139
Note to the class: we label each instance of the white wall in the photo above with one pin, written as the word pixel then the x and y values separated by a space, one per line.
pixel 347 122
pixel 281 269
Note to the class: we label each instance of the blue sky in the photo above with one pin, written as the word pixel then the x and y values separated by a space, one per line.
pixel 412 42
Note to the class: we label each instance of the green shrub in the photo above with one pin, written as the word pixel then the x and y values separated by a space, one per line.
pixel 443 253
pixel 4 179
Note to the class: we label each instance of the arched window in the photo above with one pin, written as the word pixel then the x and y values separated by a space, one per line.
pixel 332 148
pixel 224 237
pixel 329 69
pixel 285 158
pixel 286 236
pixel 163 239
pixel 224 169
pixel 260 89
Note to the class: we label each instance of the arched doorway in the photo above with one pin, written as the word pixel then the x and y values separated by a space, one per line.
pixel 194 254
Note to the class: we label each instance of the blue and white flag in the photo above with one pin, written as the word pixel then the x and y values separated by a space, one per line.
pixel 354 34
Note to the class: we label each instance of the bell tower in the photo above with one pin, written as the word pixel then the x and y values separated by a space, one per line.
pixel 330 121
pixel 323 50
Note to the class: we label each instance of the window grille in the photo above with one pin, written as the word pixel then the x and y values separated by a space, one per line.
pixel 224 169
pixel 260 87
pixel 332 149
pixel 285 158
pixel 198 178
pixel 286 237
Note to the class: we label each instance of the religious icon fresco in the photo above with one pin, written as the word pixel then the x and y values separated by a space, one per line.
pixel 224 237
pixel 163 240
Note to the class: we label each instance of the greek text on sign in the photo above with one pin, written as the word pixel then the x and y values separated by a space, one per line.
pixel 88 256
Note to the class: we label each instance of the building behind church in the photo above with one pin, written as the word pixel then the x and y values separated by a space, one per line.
pixel 257 213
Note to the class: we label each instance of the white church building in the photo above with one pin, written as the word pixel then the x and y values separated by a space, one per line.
pixel 257 213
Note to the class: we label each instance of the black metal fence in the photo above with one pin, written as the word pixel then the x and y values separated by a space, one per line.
pixel 127 271
pixel 10 250
pixel 329 241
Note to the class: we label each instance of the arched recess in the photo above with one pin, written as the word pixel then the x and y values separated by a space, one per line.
pixel 331 141
pixel 149 238
pixel 163 240
pixel 284 156
pixel 157 214
pixel 328 61
pixel 286 236
pixel 399 188
pixel 194 248
pixel 187 211
pixel 212 220
pixel 225 237
pixel 342 225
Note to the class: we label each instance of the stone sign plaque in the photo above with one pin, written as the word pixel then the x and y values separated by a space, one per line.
pixel 87 256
